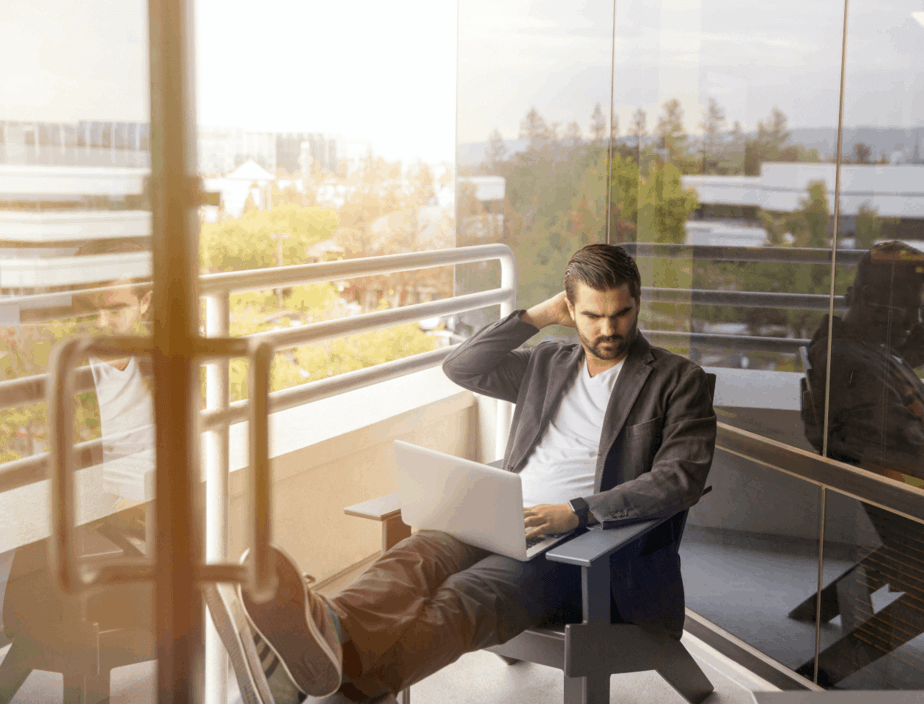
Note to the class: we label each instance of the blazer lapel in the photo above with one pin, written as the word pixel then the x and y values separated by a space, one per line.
pixel 558 377
pixel 629 385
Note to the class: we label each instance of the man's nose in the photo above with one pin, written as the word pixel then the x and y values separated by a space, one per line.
pixel 607 327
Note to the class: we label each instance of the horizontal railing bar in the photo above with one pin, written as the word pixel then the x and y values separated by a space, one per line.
pixel 323 272
pixel 329 329
pixel 729 253
pixel 285 399
pixel 743 299
pixel 738 343
pixel 300 274
pixel 33 469
pixel 17 392
pixel 844 478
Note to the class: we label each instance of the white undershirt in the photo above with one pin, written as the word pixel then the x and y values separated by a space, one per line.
pixel 125 407
pixel 562 465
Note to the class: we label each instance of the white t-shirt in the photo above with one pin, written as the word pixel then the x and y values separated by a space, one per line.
pixel 126 410
pixel 562 465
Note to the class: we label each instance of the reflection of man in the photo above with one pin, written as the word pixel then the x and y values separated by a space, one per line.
pixel 876 421
pixel 34 614
pixel 876 407
pixel 609 430
pixel 123 392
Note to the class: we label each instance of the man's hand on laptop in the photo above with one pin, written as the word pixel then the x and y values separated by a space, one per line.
pixel 549 519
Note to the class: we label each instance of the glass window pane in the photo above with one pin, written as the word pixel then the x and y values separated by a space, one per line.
pixel 873 599
pixel 533 138
pixel 749 558
pixel 64 237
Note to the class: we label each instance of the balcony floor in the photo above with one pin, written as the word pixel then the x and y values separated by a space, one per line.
pixel 474 679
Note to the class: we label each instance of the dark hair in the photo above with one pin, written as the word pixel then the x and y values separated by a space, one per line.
pixel 886 265
pixel 118 245
pixel 602 267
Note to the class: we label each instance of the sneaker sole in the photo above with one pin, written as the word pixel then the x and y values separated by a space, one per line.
pixel 318 675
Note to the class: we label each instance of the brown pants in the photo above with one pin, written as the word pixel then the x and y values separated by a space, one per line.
pixel 431 599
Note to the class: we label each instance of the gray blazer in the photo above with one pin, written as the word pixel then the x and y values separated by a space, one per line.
pixel 656 446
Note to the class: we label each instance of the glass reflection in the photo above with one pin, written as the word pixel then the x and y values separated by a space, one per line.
pixel 876 401
pixel 75 235
pixel 872 612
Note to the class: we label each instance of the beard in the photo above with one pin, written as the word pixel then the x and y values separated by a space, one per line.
pixel 609 348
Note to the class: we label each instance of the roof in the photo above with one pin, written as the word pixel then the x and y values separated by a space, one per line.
pixel 250 171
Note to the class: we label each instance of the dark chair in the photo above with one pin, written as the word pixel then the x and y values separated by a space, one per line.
pixel 868 636
pixel 82 639
pixel 588 652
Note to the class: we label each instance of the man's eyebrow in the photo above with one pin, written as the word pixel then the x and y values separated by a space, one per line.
pixel 594 314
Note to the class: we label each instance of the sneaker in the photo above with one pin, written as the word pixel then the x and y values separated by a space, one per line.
pixel 298 627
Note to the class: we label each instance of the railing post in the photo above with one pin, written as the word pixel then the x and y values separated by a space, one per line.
pixel 505 409
pixel 217 463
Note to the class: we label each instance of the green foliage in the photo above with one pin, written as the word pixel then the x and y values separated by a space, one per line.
pixel 870 226
pixel 772 144
pixel 248 243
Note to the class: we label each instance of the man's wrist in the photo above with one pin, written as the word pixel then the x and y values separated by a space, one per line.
pixel 580 509
pixel 535 318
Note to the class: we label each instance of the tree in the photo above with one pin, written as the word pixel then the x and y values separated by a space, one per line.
pixel 247 243
pixel 713 125
pixel 597 125
pixel 573 136
pixel 862 153
pixel 870 226
pixel 772 144
pixel 534 129
pixel 672 139
pixel 496 151
pixel 638 130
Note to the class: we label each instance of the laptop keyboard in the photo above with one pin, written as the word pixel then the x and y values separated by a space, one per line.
pixel 533 542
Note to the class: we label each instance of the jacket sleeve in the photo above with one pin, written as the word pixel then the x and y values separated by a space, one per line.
pixel 680 461
pixel 489 362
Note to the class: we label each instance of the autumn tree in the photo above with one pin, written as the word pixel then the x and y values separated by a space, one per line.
pixel 713 125
pixel 597 125
pixel 772 144
pixel 639 130
pixel 670 133
pixel 534 129
pixel 495 153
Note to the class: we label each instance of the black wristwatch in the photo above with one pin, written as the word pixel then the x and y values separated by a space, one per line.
pixel 581 510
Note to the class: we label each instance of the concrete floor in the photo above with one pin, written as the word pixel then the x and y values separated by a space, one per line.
pixel 477 678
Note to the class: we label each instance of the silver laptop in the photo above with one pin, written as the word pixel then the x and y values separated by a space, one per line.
pixel 477 504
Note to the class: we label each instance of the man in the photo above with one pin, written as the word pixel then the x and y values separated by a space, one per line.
pixel 34 613
pixel 123 389
pixel 609 430
pixel 876 404
pixel 875 421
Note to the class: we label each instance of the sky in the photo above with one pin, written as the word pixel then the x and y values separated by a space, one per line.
pixel 390 73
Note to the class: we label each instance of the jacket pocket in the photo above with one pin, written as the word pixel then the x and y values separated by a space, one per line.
pixel 649 427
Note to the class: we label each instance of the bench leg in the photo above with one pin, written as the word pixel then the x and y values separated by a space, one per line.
pixel 683 673
pixel 587 690
pixel 14 671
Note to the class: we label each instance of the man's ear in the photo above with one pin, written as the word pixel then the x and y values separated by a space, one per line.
pixel 570 306
pixel 145 302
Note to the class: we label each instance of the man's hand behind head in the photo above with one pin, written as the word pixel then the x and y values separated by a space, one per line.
pixel 553 311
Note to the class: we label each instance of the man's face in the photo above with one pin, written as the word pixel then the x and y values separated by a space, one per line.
pixel 890 314
pixel 606 321
pixel 117 312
